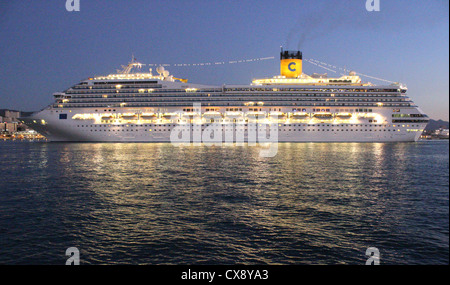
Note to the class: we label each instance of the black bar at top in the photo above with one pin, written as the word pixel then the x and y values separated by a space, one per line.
pixel 290 54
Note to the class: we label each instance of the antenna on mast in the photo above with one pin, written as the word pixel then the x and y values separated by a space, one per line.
pixel 127 69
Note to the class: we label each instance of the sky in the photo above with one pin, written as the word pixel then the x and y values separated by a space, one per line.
pixel 46 49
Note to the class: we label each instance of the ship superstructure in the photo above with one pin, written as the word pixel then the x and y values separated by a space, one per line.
pixel 147 107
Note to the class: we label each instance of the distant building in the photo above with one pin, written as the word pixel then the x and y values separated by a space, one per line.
pixel 442 133
pixel 9 116
pixel 9 127
pixel 9 121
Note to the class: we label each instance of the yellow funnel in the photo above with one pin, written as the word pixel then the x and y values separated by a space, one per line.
pixel 291 63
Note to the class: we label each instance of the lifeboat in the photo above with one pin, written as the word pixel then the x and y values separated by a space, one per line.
pixel 256 115
pixel 129 117
pixel 366 115
pixel 189 115
pixel 234 115
pixel 300 116
pixel 149 117
pixel 278 115
pixel 212 115
pixel 169 116
pixel 107 118
pixel 343 116
pixel 323 116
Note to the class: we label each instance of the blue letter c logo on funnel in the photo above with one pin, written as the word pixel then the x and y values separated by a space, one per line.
pixel 290 68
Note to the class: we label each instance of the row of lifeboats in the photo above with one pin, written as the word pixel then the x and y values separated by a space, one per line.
pixel 229 115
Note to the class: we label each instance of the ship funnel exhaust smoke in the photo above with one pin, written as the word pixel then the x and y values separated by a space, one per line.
pixel 329 16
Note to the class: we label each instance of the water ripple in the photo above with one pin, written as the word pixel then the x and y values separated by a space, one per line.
pixel 159 204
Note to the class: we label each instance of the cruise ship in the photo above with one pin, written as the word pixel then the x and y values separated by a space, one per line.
pixel 135 106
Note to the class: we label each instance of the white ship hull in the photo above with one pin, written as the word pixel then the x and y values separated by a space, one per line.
pixel 70 130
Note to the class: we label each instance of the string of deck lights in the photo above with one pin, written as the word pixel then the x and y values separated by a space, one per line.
pixel 322 65
pixel 213 63
pixel 315 62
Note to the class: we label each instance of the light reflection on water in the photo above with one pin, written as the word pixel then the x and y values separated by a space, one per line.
pixel 313 203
